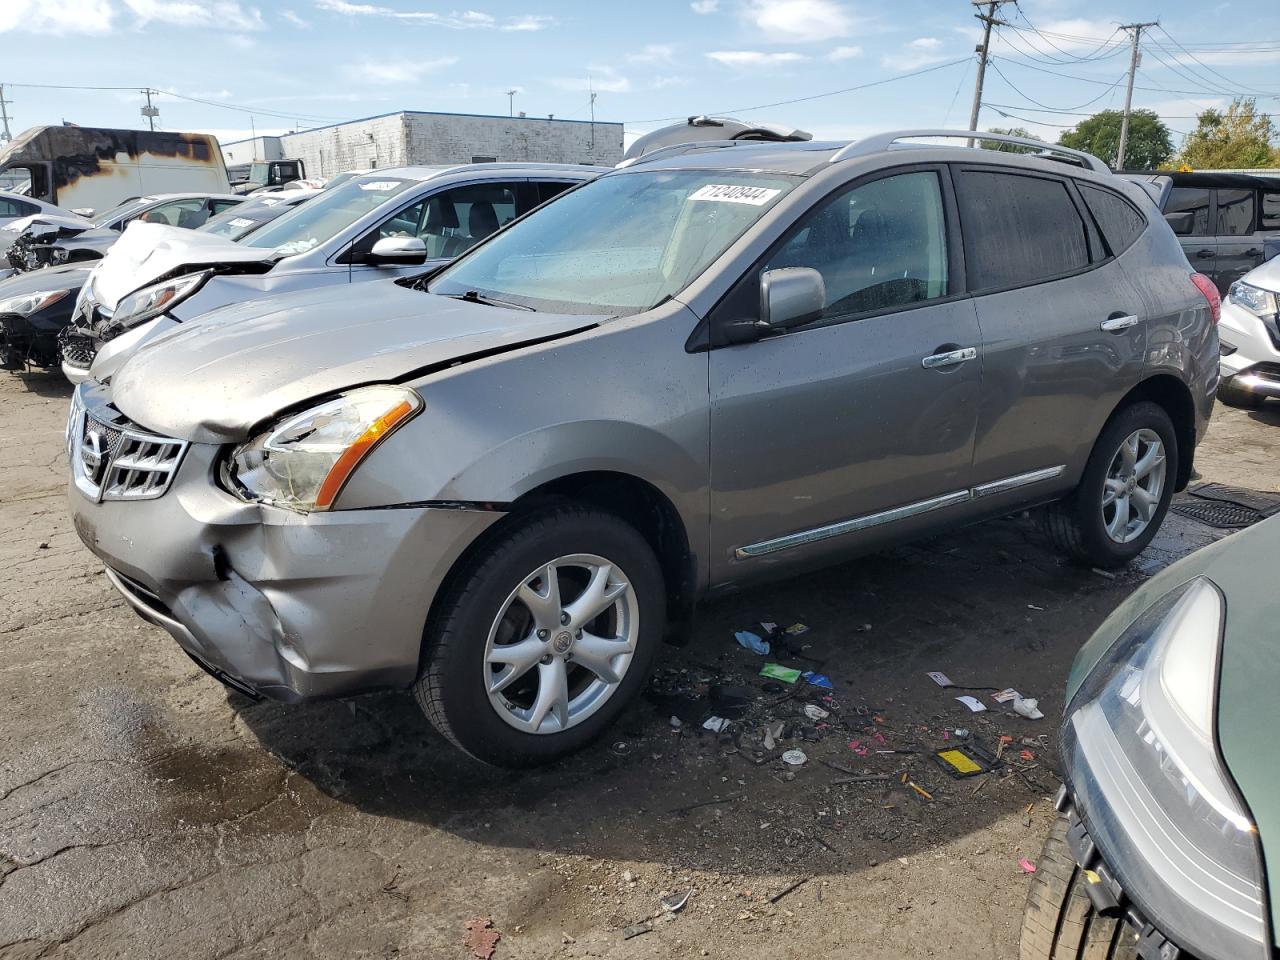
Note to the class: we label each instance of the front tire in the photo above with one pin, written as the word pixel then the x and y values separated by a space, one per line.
pixel 1236 396
pixel 1059 922
pixel 1124 494
pixel 546 633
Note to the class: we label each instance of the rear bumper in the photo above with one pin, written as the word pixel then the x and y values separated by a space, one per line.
pixel 279 604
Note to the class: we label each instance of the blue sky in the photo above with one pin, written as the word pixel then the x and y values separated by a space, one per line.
pixel 309 62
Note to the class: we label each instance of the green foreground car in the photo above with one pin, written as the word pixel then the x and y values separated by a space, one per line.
pixel 1169 816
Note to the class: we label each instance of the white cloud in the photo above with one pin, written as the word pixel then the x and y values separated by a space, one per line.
pixel 661 83
pixel 70 16
pixel 754 58
pixel 654 53
pixel 917 53
pixel 844 53
pixel 226 14
pixel 293 18
pixel 395 72
pixel 454 19
pixel 799 21
pixel 705 7
pixel 601 79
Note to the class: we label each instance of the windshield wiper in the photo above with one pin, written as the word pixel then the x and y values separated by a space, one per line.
pixel 475 296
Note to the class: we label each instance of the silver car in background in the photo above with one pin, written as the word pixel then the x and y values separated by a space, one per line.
pixel 500 483
pixel 378 225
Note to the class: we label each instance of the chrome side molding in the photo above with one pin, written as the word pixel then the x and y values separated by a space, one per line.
pixel 893 514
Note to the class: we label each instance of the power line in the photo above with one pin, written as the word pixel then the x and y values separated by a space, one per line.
pixel 1069 76
pixel 1093 55
pixel 1205 65
pixel 815 96
pixel 1118 81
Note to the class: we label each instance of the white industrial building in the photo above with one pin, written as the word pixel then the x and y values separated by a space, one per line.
pixel 413 137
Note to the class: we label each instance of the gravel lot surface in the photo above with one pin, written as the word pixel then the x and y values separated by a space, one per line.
pixel 146 812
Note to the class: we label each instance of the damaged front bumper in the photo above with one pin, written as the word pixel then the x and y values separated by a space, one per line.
pixel 274 603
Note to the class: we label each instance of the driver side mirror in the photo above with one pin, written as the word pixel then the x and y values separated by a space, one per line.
pixel 397 252
pixel 1182 222
pixel 791 297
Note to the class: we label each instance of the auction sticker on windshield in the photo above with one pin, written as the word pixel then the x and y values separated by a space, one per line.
pixel 734 193
pixel 380 185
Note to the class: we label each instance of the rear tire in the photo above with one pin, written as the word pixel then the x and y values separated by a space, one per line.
pixel 1059 922
pixel 1079 524
pixel 1236 396
pixel 475 633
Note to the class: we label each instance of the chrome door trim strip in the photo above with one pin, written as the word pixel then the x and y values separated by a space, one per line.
pixel 850 526
pixel 893 514
pixel 1020 480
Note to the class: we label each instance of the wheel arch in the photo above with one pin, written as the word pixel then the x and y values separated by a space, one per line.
pixel 1174 396
pixel 628 497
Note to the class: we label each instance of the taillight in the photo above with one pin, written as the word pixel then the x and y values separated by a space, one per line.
pixel 1210 291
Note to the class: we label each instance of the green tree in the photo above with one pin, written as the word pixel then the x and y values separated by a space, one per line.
pixel 1149 147
pixel 1008 147
pixel 1240 137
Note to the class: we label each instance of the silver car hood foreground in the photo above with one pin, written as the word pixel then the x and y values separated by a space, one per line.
pixel 214 379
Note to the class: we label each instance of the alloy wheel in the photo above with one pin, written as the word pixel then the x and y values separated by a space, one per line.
pixel 1133 486
pixel 561 644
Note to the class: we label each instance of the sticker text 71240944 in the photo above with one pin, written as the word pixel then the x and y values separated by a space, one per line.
pixel 735 193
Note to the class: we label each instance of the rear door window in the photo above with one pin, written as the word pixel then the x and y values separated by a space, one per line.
pixel 1018 229
pixel 1193 200
pixel 1235 213
pixel 1271 210
pixel 1118 219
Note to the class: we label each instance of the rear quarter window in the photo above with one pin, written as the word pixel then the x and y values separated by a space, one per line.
pixel 1118 219
pixel 1271 210
pixel 1018 229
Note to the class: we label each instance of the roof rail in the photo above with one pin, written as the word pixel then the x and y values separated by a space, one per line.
pixel 883 141
pixel 676 149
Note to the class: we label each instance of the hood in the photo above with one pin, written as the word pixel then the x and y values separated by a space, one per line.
pixel 1266 276
pixel 215 379
pixel 69 277
pixel 147 252
pixel 40 223
pixel 96 239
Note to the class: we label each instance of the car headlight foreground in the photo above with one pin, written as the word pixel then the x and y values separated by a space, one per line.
pixel 302 462
pixel 154 300
pixel 1145 769
pixel 29 303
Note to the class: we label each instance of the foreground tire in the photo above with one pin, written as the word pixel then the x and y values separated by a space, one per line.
pixel 1124 493
pixel 1059 922
pixel 1236 396
pixel 544 636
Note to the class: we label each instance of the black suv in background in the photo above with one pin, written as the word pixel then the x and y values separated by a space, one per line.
pixel 1228 223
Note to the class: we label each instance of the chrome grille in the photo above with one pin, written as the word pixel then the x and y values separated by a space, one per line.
pixel 111 459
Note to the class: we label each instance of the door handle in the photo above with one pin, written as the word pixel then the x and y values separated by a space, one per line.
pixel 949 359
pixel 1116 324
pixel 1203 254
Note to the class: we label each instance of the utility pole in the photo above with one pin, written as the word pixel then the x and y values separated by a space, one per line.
pixel 983 50
pixel 593 119
pixel 149 111
pixel 4 115
pixel 1135 30
pixel 511 102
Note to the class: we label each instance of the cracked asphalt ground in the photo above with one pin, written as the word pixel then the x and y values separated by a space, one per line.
pixel 146 812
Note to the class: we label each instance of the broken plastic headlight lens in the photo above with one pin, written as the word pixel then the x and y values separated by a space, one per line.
pixel 1259 302
pixel 152 301
pixel 29 303
pixel 1141 748
pixel 303 462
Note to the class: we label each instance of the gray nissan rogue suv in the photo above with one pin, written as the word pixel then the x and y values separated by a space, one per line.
pixel 497 483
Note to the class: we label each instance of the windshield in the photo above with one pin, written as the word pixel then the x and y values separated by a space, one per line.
pixel 619 245
pixel 124 209
pixel 327 215
pixel 243 219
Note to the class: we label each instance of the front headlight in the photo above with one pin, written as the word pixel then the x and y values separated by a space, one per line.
pixel 303 462
pixel 1259 302
pixel 1141 746
pixel 29 303
pixel 154 300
